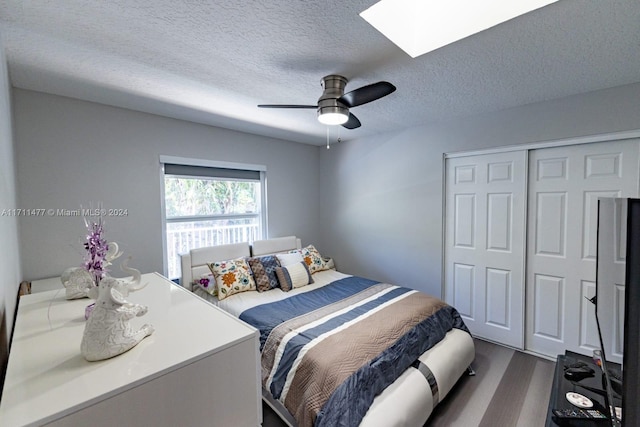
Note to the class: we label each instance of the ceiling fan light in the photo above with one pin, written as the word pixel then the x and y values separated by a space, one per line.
pixel 334 115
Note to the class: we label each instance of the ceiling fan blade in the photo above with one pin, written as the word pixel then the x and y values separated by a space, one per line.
pixel 352 122
pixel 367 94
pixel 287 106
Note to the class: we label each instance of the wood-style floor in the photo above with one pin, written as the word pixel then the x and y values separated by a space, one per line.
pixel 510 389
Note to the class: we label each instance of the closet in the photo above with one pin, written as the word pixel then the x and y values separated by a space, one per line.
pixel 520 239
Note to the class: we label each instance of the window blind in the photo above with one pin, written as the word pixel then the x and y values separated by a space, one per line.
pixel 211 172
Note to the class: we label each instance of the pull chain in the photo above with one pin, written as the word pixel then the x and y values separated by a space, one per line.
pixel 328 137
pixel 338 139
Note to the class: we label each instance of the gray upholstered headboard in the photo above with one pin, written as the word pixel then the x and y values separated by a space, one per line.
pixel 194 263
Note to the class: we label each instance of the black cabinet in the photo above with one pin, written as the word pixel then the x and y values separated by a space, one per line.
pixel 592 387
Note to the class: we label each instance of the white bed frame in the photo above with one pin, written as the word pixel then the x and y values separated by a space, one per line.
pixel 406 402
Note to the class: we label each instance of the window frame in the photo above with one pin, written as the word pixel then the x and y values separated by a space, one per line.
pixel 262 169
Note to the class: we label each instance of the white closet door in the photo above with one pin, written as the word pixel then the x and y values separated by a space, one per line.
pixel 564 186
pixel 484 243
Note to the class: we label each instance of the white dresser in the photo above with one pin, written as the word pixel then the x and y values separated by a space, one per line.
pixel 200 366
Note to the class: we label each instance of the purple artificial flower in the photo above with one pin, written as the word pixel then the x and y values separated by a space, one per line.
pixel 204 282
pixel 97 248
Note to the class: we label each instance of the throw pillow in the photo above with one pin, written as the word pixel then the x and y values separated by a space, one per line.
pixel 232 277
pixel 290 258
pixel 207 283
pixel 264 272
pixel 313 259
pixel 294 276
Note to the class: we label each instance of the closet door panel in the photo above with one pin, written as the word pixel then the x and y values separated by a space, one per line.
pixel 463 283
pixel 564 186
pixel 484 243
pixel 465 219
pixel 587 318
pixel 499 221
pixel 548 319
pixel 498 286
pixel 551 224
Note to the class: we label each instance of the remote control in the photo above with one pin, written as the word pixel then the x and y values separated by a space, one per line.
pixel 578 413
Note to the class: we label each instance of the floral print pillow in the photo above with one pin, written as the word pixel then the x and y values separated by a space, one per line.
pixel 208 283
pixel 232 277
pixel 312 258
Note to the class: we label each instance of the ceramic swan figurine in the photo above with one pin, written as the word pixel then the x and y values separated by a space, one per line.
pixel 108 331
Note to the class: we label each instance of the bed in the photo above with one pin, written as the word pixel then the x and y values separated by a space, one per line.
pixel 387 372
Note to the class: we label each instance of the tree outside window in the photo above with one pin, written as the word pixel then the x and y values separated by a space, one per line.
pixel 208 211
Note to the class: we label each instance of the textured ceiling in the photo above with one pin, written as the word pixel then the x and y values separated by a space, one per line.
pixel 213 62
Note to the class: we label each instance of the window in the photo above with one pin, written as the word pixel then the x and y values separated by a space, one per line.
pixel 210 205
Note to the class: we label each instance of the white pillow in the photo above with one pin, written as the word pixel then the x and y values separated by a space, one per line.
pixel 288 259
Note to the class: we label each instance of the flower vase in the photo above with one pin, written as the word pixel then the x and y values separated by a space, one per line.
pixel 88 309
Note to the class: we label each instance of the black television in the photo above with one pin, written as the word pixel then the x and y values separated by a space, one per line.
pixel 618 301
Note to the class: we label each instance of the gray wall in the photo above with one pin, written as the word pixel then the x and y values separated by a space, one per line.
pixel 72 153
pixel 10 274
pixel 381 200
pixel 378 211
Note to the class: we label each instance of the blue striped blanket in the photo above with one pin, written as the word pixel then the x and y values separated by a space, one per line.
pixel 328 352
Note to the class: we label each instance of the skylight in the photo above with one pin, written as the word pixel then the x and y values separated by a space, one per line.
pixel 421 26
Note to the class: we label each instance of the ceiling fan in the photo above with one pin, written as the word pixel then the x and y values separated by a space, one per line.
pixel 333 105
